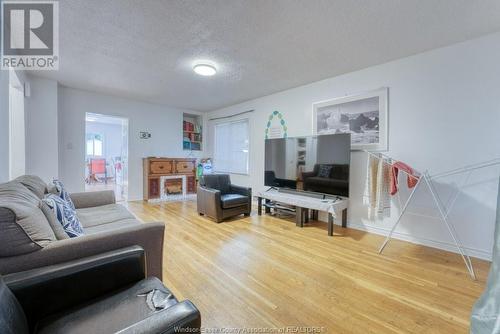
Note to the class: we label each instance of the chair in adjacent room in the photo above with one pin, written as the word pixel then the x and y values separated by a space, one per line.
pixel 97 166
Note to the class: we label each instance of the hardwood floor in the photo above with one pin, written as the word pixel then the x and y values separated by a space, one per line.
pixel 264 272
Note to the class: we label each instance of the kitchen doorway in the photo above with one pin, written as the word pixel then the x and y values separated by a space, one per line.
pixel 106 154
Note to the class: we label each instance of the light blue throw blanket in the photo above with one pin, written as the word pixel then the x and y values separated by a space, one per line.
pixel 485 318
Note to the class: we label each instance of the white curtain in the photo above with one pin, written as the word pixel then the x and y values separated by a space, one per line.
pixel 231 147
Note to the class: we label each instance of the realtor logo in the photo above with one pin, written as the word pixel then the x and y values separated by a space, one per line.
pixel 30 35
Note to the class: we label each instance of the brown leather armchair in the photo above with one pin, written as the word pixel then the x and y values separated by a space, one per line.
pixel 219 199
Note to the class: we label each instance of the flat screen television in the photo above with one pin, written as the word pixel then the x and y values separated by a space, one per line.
pixel 314 163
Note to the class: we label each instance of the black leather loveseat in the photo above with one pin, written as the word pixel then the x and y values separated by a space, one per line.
pixel 106 293
pixel 337 180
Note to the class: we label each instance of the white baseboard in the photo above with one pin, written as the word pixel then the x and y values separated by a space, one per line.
pixel 477 253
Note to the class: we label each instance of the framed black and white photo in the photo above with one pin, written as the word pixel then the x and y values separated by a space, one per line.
pixel 364 116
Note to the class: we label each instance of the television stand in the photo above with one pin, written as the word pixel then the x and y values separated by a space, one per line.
pixel 303 203
pixel 301 193
pixel 279 209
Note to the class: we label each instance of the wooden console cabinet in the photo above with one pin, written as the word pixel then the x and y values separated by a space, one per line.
pixel 155 168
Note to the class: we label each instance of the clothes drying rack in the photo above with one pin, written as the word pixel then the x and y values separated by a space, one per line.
pixel 425 177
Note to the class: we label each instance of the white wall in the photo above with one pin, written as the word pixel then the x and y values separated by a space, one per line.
pixel 164 124
pixel 42 143
pixel 4 126
pixel 5 162
pixel 17 127
pixel 444 112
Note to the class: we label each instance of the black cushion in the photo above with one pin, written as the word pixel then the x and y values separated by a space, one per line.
pixel 315 180
pixel 324 170
pixel 220 182
pixel 12 318
pixel 269 178
pixel 340 172
pixel 233 200
pixel 334 171
pixel 113 313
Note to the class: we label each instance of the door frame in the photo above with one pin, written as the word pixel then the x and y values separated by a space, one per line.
pixel 124 124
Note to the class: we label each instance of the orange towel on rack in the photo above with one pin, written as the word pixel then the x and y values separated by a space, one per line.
pixel 412 178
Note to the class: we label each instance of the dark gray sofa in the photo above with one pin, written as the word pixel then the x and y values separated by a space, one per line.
pixel 28 239
pixel 337 182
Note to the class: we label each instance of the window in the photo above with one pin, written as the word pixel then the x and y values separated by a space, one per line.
pixel 94 145
pixel 231 147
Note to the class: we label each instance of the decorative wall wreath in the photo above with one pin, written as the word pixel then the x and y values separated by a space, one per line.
pixel 276 130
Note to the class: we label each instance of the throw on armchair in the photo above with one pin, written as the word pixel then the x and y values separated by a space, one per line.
pixel 326 178
pixel 105 293
pixel 219 199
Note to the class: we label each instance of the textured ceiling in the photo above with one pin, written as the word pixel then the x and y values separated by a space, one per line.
pixel 145 49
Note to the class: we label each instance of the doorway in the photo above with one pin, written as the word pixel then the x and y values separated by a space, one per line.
pixel 106 154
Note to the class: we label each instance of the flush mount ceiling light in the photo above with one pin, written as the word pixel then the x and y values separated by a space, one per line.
pixel 204 69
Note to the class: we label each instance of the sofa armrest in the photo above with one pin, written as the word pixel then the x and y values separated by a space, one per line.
pixel 94 198
pixel 147 235
pixel 183 317
pixel 209 202
pixel 245 191
pixel 213 193
pixel 305 175
pixel 48 290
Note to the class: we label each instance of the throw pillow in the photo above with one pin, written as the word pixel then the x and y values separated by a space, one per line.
pixel 65 214
pixel 61 191
pixel 324 170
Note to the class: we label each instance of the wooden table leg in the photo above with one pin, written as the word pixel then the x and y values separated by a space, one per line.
pixel 267 209
pixel 344 218
pixel 330 224
pixel 298 217
pixel 259 208
pixel 306 215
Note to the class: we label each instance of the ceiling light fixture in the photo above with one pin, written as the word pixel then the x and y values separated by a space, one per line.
pixel 204 69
